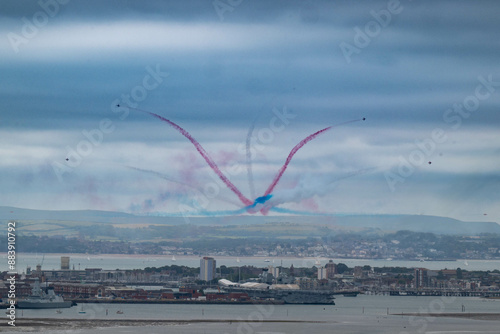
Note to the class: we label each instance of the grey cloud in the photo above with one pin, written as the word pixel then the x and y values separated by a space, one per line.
pixel 264 54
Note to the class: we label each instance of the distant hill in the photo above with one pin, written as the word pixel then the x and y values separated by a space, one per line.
pixel 383 223
pixel 11 213
pixel 420 223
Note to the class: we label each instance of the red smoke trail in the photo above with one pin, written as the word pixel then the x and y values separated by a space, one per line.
pixel 204 154
pixel 290 156
pixel 224 179
pixel 294 150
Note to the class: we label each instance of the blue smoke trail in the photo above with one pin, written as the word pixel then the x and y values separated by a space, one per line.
pixel 259 200
pixel 296 212
pixel 205 213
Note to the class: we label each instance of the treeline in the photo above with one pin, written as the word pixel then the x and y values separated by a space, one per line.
pixel 403 244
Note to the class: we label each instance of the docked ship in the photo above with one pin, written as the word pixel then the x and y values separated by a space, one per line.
pixel 287 293
pixel 40 299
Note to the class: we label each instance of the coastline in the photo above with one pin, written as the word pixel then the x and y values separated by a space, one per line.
pixel 40 324
pixel 179 301
pixel 172 301
pixel 462 315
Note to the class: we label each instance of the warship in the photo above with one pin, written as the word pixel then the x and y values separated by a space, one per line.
pixel 288 293
pixel 40 299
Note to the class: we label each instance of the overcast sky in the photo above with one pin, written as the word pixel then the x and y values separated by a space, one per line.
pixel 282 68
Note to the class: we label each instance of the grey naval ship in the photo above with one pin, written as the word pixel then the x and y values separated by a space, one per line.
pixel 40 299
pixel 288 293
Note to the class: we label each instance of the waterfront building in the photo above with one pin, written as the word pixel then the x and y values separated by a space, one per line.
pixel 322 273
pixel 64 262
pixel 207 268
pixel 421 279
pixel 331 269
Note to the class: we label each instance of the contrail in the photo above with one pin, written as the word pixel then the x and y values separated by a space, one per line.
pixel 249 205
pixel 355 173
pixel 203 153
pixel 207 213
pixel 298 147
pixel 240 212
pixel 249 159
pixel 296 212
pixel 165 177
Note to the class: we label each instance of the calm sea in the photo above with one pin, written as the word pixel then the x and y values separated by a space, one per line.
pixel 363 314
pixel 110 262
